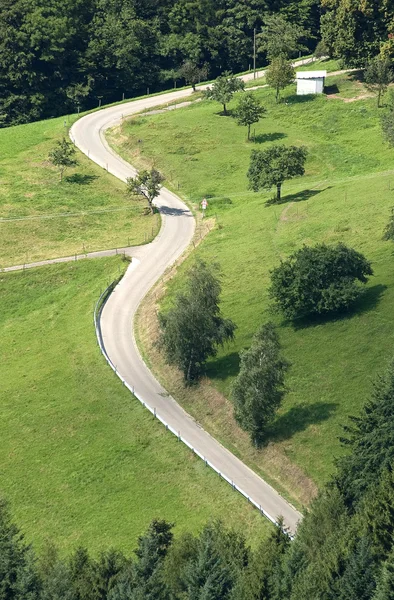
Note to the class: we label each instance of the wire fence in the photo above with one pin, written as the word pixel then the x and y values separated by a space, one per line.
pixel 96 318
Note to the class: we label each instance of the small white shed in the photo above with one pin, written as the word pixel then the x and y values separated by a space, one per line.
pixel 310 82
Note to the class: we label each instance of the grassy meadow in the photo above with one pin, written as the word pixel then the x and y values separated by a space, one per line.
pixel 82 461
pixel 345 195
pixel 41 217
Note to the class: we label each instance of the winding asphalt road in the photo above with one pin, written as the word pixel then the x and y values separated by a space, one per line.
pixel 118 313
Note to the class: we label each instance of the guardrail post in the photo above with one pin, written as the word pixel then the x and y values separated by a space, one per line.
pixel 154 411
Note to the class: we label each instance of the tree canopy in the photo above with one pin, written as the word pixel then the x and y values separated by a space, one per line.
pixel 223 89
pixel 259 387
pixel 147 184
pixel 249 111
pixel 279 74
pixel 275 165
pixel 319 280
pixel 193 329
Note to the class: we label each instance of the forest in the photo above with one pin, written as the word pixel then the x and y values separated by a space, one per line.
pixel 65 55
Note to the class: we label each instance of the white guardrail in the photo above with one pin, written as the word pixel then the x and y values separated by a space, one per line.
pixel 97 313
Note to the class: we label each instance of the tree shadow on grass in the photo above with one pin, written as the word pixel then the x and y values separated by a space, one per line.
pixel 294 99
pixel 298 197
pixel 223 367
pixel 358 75
pixel 368 300
pixel 330 90
pixel 298 418
pixel 81 179
pixel 261 138
pixel 229 113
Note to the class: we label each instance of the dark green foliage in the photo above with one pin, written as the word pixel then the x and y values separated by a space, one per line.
pixel 256 581
pixel 356 31
pixel 275 165
pixel 82 575
pixel 249 111
pixel 180 554
pixel 322 50
pixel 224 89
pixel 221 555
pixel 279 37
pixel 371 440
pixel 378 75
pixel 18 576
pixel 259 388
pixel 317 555
pixel 385 587
pixel 377 514
pixel 319 280
pixel 358 580
pixel 143 579
pixel 68 54
pixel 147 184
pixel 192 73
pixel 193 329
pixel 63 156
pixel 389 231
pixel 279 74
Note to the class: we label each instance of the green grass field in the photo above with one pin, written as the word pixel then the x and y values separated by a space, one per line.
pixel 42 218
pixel 345 195
pixel 82 461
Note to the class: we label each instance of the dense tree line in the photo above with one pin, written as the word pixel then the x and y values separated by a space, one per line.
pixel 63 55
pixel 343 549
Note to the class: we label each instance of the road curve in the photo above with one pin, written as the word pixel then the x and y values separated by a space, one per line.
pixel 119 311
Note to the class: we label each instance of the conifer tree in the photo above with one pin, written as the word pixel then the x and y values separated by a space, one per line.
pixel 385 587
pixel 358 581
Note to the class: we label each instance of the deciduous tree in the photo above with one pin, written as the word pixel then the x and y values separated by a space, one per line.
pixel 378 75
pixel 193 73
pixel 249 111
pixel 224 89
pixel 193 329
pixel 259 388
pixel 62 156
pixel 279 74
pixel 147 184
pixel 279 37
pixel 319 280
pixel 275 165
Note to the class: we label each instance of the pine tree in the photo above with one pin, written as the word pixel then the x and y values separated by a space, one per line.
pixel 208 576
pixel 18 574
pixel 385 587
pixel 358 581
pixel 371 440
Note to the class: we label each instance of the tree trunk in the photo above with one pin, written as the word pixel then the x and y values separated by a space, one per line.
pixel 278 191
pixel 277 95
pixel 224 109
pixel 379 95
pixel 194 87
pixel 248 133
